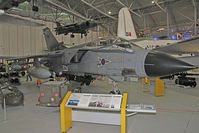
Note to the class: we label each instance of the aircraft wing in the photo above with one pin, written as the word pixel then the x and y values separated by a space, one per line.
pixel 50 54
pixel 70 25
pixel 79 46
pixel 187 46
pixel 25 57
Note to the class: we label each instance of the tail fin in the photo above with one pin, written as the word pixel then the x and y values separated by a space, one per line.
pixel 58 24
pixel 51 41
pixel 126 28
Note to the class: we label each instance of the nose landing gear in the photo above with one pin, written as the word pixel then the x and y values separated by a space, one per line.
pixel 115 88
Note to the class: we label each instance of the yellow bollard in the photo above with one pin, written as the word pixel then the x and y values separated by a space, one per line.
pixel 66 114
pixel 145 81
pixel 159 87
pixel 123 113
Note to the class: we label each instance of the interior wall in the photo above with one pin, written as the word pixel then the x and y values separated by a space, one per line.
pixel 22 40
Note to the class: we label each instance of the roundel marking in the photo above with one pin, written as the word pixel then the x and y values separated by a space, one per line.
pixel 103 61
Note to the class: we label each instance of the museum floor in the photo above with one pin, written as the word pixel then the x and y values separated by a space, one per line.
pixel 177 112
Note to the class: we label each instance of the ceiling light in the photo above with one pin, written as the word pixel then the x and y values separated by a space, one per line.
pixel 2 12
pixel 154 1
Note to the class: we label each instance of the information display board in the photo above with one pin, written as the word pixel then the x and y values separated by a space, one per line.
pixel 95 101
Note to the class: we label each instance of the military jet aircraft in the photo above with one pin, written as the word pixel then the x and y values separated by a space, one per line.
pixel 81 28
pixel 112 61
pixel 7 4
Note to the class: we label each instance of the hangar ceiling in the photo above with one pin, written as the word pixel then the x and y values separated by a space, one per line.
pixel 151 17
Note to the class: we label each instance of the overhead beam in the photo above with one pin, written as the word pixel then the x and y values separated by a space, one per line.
pixel 152 5
pixel 67 10
pixel 100 11
pixel 168 23
pixel 151 13
pixel 173 18
pixel 100 5
pixel 195 17
pixel 131 4
pixel 156 2
pixel 185 16
pixel 128 8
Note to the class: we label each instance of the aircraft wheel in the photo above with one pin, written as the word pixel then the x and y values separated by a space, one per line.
pixel 72 35
pixel 12 81
pixel 111 92
pixel 115 92
pixel 177 81
pixel 23 73
pixel 16 80
pixel 11 74
pixel 194 84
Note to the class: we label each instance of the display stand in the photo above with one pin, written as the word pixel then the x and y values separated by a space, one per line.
pixel 67 115
pixel 103 114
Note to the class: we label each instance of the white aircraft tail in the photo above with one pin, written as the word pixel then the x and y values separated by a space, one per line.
pixel 126 28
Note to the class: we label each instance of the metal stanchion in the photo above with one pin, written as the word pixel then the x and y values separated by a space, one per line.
pixel 4 110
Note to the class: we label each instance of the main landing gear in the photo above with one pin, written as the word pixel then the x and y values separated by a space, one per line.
pixel 186 81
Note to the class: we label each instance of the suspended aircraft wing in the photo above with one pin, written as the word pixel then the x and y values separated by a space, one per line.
pixel 188 46
pixel 70 25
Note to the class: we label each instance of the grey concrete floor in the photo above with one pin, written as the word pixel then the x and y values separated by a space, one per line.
pixel 177 111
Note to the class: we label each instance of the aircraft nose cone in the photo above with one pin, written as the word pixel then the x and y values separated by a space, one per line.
pixel 160 64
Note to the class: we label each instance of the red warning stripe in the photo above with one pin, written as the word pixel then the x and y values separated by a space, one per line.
pixel 176 110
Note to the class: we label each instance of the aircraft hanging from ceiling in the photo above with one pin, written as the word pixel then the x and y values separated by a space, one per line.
pixel 81 28
pixel 7 4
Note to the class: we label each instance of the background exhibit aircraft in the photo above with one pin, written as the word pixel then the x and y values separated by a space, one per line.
pixel 81 28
